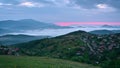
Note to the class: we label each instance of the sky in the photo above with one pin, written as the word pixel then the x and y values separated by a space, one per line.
pixel 63 12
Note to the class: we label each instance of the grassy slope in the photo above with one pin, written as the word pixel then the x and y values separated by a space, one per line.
pixel 38 62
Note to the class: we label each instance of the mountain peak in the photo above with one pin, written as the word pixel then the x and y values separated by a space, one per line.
pixel 111 26
pixel 28 20
pixel 107 26
pixel 78 32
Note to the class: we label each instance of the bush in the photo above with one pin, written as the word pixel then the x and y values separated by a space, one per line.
pixel 112 64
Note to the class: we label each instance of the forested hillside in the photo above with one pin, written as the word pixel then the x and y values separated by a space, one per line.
pixel 78 46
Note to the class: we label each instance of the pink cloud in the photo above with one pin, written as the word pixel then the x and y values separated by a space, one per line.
pixel 86 23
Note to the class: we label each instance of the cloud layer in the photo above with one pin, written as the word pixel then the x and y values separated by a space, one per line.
pixel 31 4
pixel 88 4
pixel 92 3
pixel 62 10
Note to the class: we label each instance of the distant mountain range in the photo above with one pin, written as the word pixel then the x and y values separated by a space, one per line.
pixel 93 26
pixel 102 32
pixel 15 39
pixel 3 31
pixel 8 26
pixel 110 26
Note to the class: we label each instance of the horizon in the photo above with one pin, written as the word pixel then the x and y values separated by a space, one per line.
pixel 88 23
pixel 75 23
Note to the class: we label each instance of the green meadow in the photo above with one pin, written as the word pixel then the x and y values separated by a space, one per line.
pixel 38 62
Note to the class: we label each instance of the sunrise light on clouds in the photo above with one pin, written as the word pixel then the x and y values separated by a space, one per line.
pixel 86 23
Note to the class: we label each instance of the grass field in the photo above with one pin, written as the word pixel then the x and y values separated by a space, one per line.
pixel 38 62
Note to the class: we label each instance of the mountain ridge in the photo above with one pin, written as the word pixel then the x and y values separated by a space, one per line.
pixel 103 32
pixel 15 39
pixel 11 26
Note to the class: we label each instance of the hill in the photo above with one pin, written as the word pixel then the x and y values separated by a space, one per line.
pixel 38 62
pixel 15 39
pixel 77 46
pixel 103 32
pixel 116 31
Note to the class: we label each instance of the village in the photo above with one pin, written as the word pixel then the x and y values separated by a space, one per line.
pixel 4 50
